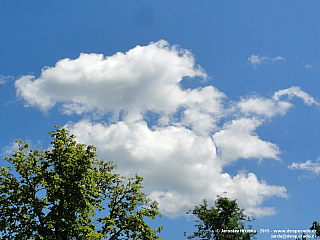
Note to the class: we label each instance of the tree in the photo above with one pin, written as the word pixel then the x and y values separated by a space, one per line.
pixel 222 221
pixel 316 226
pixel 66 193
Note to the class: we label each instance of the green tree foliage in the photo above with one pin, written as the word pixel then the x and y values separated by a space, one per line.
pixel 225 220
pixel 66 193
pixel 316 226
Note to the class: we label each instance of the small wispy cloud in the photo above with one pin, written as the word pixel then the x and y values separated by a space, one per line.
pixel 311 66
pixel 4 79
pixel 256 60
pixel 313 167
pixel 14 146
pixel 7 150
pixel 296 92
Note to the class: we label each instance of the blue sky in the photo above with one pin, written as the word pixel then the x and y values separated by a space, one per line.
pixel 198 98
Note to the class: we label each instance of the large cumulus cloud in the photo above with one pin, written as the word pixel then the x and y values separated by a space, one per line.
pixel 138 79
pixel 178 139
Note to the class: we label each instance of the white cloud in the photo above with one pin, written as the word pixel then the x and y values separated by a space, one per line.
pixel 4 79
pixel 256 60
pixel 311 66
pixel 182 150
pixel 180 168
pixel 259 212
pixel 277 58
pixel 295 92
pixel 144 78
pixel 313 167
pixel 238 140
pixel 8 150
pixel 263 106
